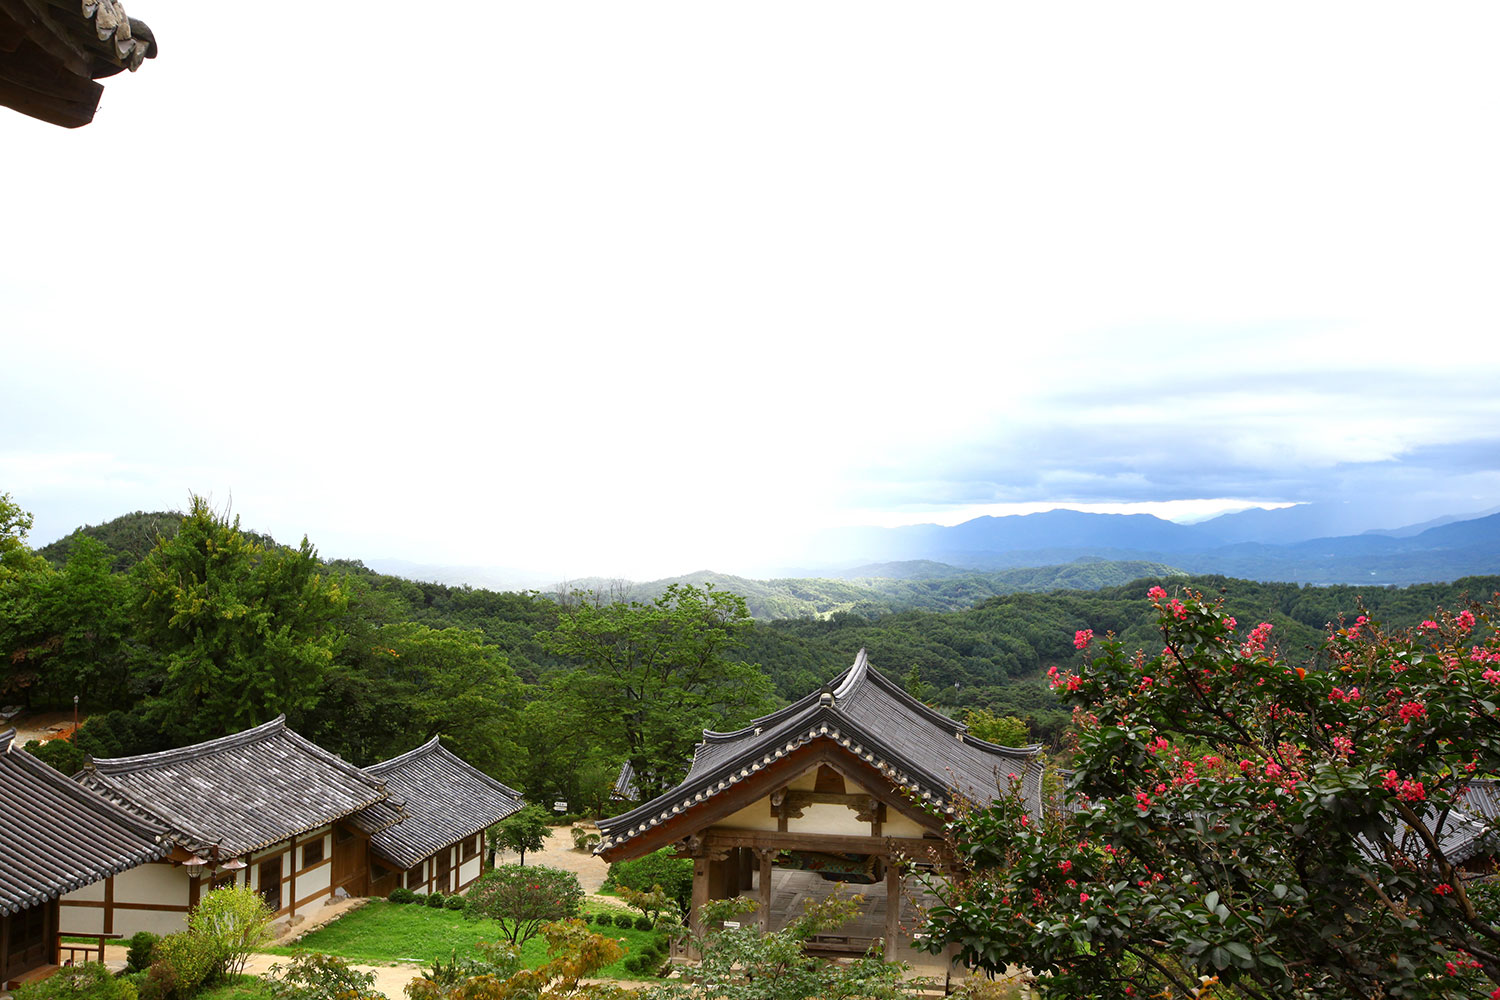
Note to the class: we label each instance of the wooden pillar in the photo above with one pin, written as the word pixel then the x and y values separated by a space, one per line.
pixel 700 893
pixel 291 867
pixel 766 858
pixel 109 908
pixel 892 910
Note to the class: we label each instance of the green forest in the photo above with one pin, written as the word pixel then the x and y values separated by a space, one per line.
pixel 173 628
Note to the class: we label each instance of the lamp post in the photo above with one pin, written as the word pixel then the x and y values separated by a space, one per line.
pixel 75 720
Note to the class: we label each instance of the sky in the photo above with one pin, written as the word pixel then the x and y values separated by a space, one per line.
pixel 639 289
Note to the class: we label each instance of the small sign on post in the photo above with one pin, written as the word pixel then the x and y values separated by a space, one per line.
pixel 560 806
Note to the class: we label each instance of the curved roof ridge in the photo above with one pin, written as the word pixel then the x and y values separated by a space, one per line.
pixel 777 717
pixel 854 676
pixel 116 765
pixel 434 748
pixel 1028 749
pixel 140 822
pixel 335 760
pixel 6 738
pixel 401 758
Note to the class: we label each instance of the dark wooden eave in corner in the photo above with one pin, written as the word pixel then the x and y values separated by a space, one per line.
pixel 52 52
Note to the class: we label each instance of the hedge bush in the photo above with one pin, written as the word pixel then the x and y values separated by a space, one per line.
pixel 142 943
pixel 455 902
pixel 674 875
pixel 90 981
pixel 402 895
pixel 436 900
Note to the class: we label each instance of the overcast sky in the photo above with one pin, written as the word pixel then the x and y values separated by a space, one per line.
pixel 642 288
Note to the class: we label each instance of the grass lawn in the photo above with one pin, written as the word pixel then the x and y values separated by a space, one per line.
pixel 382 932
pixel 238 988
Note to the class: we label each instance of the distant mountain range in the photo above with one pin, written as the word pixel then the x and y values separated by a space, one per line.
pixel 871 590
pixel 931 567
pixel 1290 544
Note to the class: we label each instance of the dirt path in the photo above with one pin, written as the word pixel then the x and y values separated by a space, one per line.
pixel 559 853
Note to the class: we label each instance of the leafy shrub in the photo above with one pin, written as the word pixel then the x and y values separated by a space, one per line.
pixel 321 977
pixel 141 945
pixel 584 839
pixel 455 902
pixel 60 755
pixel 643 923
pixel 181 965
pixel 523 898
pixel 402 895
pixel 660 868
pixel 90 981
pixel 231 923
pixel 604 919
pixel 436 900
pixel 624 920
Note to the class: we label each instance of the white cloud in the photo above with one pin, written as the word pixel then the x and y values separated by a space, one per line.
pixel 639 288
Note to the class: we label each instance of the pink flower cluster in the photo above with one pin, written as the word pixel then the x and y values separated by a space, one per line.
pixel 1082 638
pixel 1406 790
pixel 1157 594
pixel 1256 640
pixel 1411 710
pixel 1464 620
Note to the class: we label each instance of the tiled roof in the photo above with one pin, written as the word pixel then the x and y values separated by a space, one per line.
pixel 56 836
pixel 446 801
pixel 243 792
pixel 919 749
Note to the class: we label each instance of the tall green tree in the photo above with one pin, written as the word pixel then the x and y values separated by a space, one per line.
pixel 25 577
pixel 242 632
pixel 653 676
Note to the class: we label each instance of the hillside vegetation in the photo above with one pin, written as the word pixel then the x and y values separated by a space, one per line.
pixel 398 660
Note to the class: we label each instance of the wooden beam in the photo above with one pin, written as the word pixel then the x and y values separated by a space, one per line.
pixel 760 785
pixel 915 848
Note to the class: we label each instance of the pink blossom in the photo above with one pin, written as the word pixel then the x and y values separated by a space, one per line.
pixel 1411 710
pixel 1083 897
pixel 1343 745
pixel 1157 594
pixel 1066 866
pixel 1430 625
pixel 1411 791
pixel 1273 770
pixel 1464 620
pixel 1082 638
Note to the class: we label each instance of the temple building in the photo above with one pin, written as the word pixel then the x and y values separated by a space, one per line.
pixel 850 784
pixel 439 847
pixel 264 808
pixel 57 837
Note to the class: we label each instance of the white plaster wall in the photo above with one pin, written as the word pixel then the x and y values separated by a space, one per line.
pixel 153 883
pixel 469 870
pixel 130 922
pixel 823 817
pixel 314 880
pixel 92 891
pixel 757 816
pixel 81 919
pixel 898 824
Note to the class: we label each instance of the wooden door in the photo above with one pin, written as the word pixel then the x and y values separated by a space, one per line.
pixel 29 940
pixel 349 869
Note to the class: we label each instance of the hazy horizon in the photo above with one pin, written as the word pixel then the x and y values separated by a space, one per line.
pixel 630 290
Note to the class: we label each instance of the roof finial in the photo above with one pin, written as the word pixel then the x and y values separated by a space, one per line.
pixel 825 696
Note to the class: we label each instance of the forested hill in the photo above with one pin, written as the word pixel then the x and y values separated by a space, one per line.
pixel 991 655
pixel 876 590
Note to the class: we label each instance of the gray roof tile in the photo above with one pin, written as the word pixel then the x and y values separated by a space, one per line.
pixel 242 792
pixel 447 800
pixel 918 747
pixel 56 836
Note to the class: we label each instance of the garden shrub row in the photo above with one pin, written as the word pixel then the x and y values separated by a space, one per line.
pixel 435 900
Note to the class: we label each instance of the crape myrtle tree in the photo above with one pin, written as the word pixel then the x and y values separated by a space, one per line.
pixel 651 677
pixel 1243 826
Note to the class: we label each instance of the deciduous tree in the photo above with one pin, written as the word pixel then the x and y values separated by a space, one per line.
pixel 243 632
pixel 653 676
